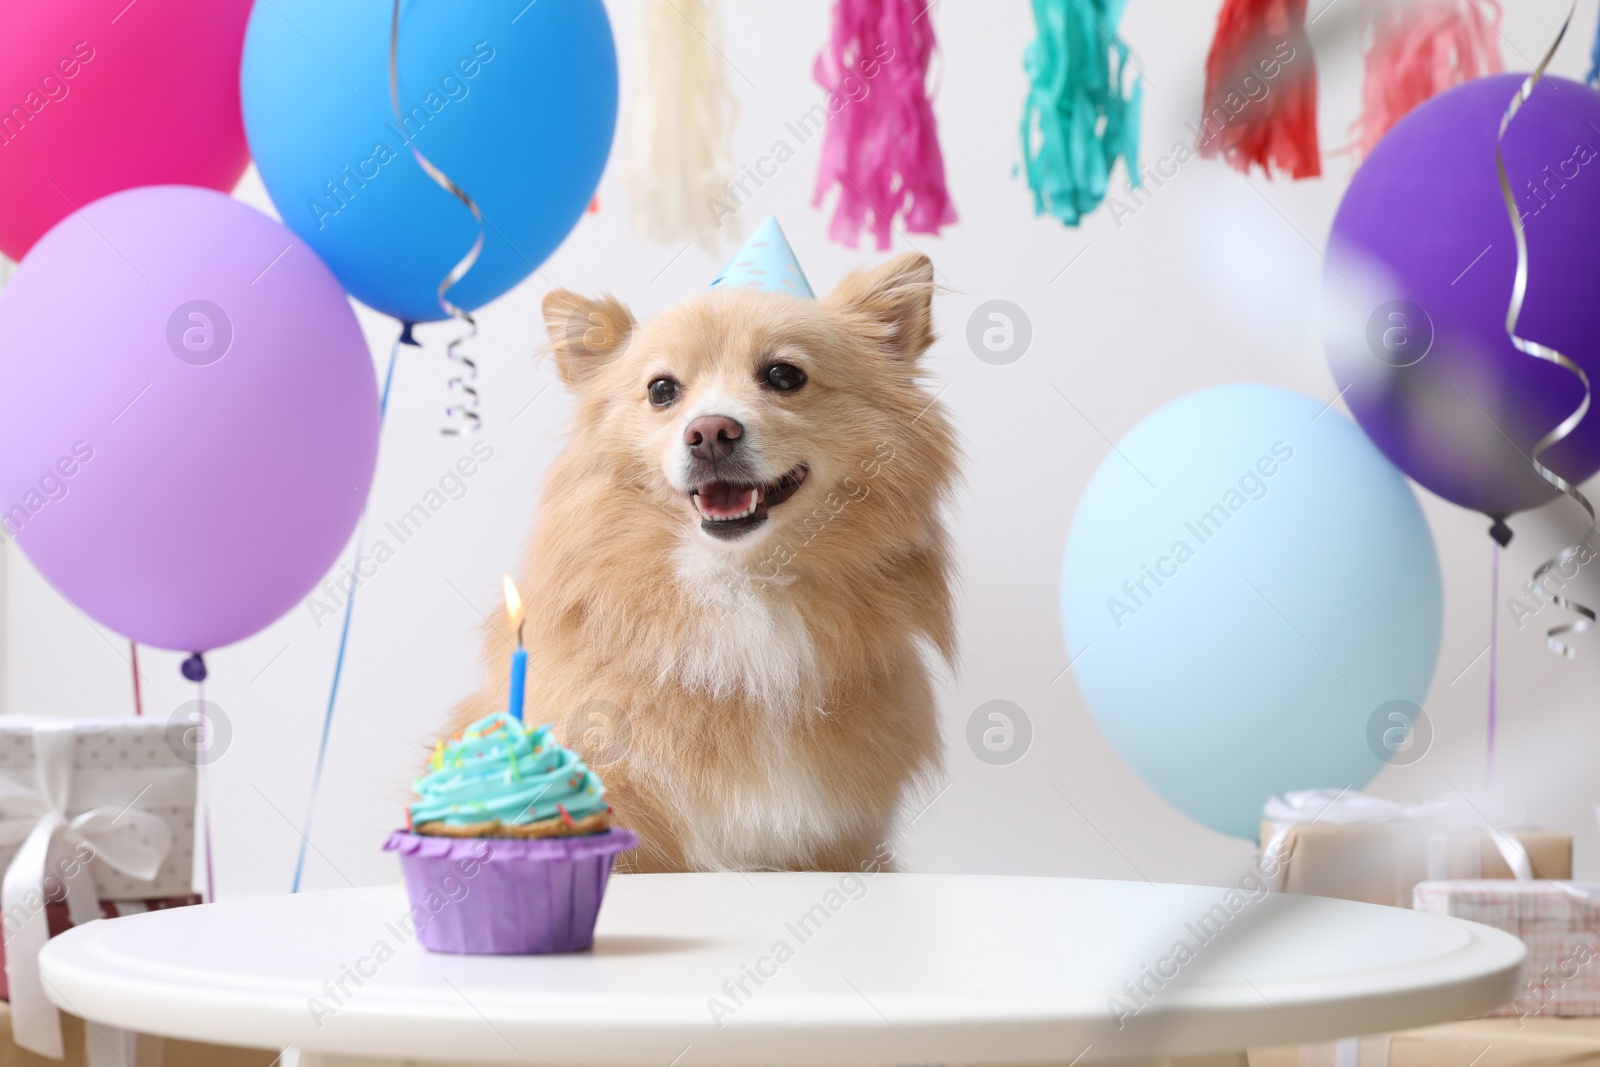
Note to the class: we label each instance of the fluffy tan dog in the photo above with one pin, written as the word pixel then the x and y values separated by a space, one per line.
pixel 739 570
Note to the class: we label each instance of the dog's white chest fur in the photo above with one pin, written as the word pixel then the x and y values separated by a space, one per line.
pixel 747 639
pixel 780 815
pixel 752 644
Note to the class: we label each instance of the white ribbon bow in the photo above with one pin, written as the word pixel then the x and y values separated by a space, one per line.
pixel 1347 806
pixel 122 836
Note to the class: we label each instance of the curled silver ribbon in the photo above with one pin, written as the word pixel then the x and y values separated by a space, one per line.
pixel 1585 616
pixel 463 412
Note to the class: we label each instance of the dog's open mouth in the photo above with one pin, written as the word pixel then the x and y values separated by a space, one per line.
pixel 731 509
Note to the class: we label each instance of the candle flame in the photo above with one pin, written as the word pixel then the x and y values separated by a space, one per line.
pixel 513 603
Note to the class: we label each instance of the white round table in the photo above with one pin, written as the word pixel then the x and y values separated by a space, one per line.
pixel 795 969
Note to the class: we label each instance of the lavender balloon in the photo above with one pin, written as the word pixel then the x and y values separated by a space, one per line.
pixel 188 415
pixel 1421 265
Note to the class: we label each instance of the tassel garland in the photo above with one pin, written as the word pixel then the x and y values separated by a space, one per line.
pixel 1078 119
pixel 1261 90
pixel 1419 49
pixel 882 144
pixel 680 121
pixel 1594 62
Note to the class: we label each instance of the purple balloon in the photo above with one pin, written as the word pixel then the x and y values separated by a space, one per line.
pixel 1421 265
pixel 188 415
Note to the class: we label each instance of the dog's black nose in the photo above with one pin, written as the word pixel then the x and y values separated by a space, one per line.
pixel 712 436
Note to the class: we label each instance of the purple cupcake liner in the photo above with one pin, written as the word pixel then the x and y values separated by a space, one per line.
pixel 507 896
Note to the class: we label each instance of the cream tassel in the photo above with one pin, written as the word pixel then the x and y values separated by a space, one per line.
pixel 680 125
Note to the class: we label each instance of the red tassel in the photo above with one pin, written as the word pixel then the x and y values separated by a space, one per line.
pixel 1261 90
pixel 1418 50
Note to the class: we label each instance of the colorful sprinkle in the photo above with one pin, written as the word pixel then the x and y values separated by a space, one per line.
pixel 498 766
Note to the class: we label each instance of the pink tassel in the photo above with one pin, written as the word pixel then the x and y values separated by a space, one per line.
pixel 882 142
pixel 1419 49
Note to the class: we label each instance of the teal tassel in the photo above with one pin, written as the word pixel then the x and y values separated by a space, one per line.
pixel 1077 119
pixel 1594 62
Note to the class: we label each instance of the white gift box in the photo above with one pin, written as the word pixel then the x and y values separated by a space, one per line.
pixel 128 762
pixel 89 808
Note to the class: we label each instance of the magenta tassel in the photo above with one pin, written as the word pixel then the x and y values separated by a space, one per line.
pixel 882 143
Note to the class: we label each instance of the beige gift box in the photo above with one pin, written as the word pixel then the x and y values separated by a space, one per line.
pixel 1479 1042
pixel 152 1051
pixel 1381 863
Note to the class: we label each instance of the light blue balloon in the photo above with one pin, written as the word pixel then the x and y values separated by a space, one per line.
pixel 514 101
pixel 1246 581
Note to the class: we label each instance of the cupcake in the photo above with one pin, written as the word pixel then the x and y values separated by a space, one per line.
pixel 509 846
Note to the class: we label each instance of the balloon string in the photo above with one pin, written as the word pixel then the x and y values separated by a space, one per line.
pixel 1494 654
pixel 1586 617
pixel 138 692
pixel 344 640
pixel 465 410
pixel 205 795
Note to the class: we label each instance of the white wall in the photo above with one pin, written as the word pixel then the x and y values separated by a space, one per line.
pixel 1214 280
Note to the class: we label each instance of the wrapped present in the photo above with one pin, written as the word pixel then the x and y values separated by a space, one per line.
pixel 1558 921
pixel 89 809
pixel 1350 845
pixel 58 920
pixel 1533 1042
pixel 102 1046
pixel 115 760
pixel 148 1051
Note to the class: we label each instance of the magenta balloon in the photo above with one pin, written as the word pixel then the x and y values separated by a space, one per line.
pixel 188 415
pixel 97 96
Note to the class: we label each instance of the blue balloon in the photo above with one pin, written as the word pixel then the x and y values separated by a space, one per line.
pixel 515 101
pixel 1246 584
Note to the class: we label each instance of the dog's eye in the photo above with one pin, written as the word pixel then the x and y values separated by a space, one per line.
pixel 664 391
pixel 785 377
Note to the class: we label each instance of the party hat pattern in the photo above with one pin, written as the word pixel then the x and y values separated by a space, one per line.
pixel 766 262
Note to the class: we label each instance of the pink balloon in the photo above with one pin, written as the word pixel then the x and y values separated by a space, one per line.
pixel 97 96
pixel 188 415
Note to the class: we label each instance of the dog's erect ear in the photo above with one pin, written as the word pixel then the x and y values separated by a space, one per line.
pixel 899 295
pixel 584 334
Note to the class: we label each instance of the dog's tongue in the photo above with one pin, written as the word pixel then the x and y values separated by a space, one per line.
pixel 725 498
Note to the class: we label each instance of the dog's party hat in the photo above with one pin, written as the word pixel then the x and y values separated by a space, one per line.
pixel 766 262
